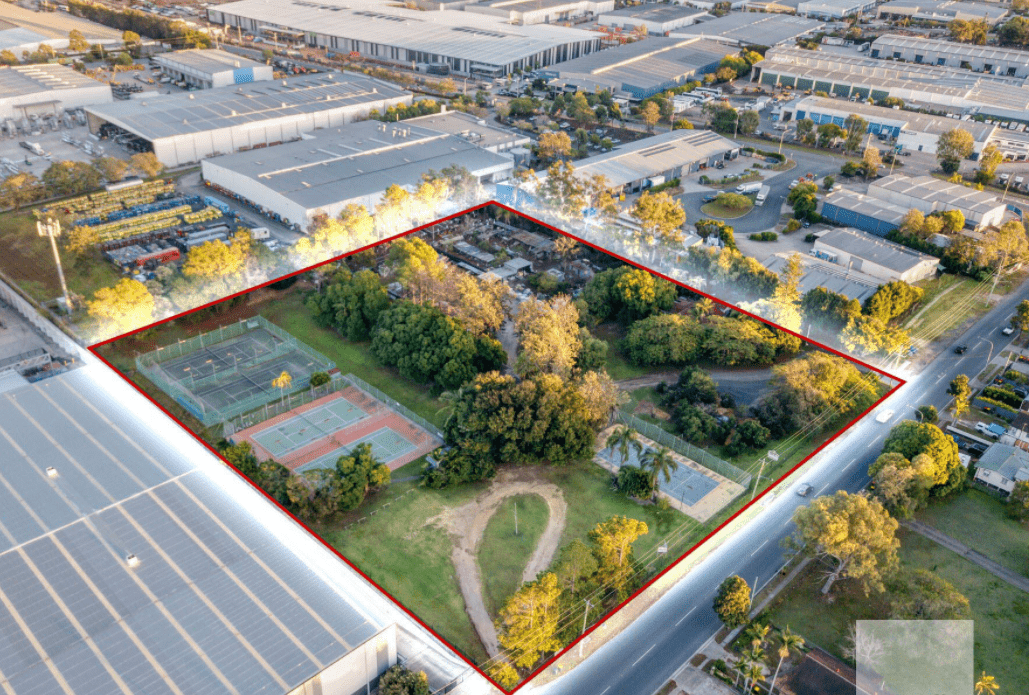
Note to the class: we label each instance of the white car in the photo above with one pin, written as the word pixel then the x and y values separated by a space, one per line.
pixel 884 416
pixel 1008 330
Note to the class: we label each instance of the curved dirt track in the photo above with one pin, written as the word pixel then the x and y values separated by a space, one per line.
pixel 467 524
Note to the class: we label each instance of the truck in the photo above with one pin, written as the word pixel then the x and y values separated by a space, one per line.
pixel 762 195
pixel 33 147
pixel 745 188
pixel 655 181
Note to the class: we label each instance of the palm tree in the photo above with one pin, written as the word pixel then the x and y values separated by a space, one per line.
pixel 703 307
pixel 755 673
pixel 623 440
pixel 743 664
pixel 282 381
pixel 986 685
pixel 757 634
pixel 660 462
pixel 789 642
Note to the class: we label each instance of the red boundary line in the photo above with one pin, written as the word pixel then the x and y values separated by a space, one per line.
pixel 604 617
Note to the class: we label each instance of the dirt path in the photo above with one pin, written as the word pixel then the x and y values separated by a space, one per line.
pixel 467 524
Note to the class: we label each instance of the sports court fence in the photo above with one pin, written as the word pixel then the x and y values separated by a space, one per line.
pixel 681 446
pixel 150 365
pixel 359 383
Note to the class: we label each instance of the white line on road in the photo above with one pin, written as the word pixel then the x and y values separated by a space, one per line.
pixel 850 464
pixel 606 689
pixel 823 488
pixel 758 548
pixel 643 655
pixel 687 614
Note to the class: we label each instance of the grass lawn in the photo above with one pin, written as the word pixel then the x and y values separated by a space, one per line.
pixel 716 209
pixel 29 261
pixel 945 305
pixel 618 364
pixel 1000 611
pixel 967 515
pixel 502 554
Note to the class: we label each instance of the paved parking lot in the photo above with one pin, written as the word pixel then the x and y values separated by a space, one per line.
pixel 52 143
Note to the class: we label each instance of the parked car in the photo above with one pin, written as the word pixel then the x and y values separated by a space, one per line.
pixel 961 349
pixel 710 197
pixel 1008 330
pixel 804 490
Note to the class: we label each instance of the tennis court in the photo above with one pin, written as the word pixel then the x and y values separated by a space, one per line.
pixel 687 485
pixel 209 360
pixel 387 446
pixel 308 427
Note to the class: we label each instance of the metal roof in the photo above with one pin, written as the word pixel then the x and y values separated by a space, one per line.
pixel 933 190
pixel 1009 461
pixel 945 9
pixel 164 116
pixel 755 28
pixel 206 60
pixel 656 13
pixel 940 46
pixel 906 120
pixel 874 249
pixel 479 38
pixel 477 131
pixel 216 604
pixel 19 80
pixel 647 63
pixel 361 159
pixel 868 206
pixel 651 156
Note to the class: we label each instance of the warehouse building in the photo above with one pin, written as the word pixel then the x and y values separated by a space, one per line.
pixel 867 213
pixel 938 87
pixel 540 11
pixel 445 40
pixel 930 194
pixel 343 166
pixel 207 68
pixel 640 69
pixel 651 161
pixel 916 49
pixel 1013 144
pixel 816 272
pixel 862 253
pixel 478 131
pixel 834 9
pixel 185 128
pixel 912 131
pixel 658 19
pixel 943 11
pixel 781 6
pixel 754 28
pixel 27 90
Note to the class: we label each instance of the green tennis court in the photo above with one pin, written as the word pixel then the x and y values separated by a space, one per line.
pixel 303 429
pixel 387 445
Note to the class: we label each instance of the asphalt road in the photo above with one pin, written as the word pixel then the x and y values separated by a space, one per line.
pixel 646 654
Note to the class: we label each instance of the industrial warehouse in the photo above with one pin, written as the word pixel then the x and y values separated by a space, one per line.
pixel 652 161
pixel 207 68
pixel 658 19
pixel 36 90
pixel 941 88
pixel 754 29
pixel 916 49
pixel 640 69
pixel 462 42
pixel 186 128
pixel 348 165
pixel 883 260
pixel 540 11
pixel 943 11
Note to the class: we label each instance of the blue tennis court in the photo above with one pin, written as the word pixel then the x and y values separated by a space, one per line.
pixel 687 485
pixel 387 446
pixel 306 428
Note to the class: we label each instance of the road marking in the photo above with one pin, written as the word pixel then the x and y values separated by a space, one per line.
pixel 606 689
pixel 758 548
pixel 850 464
pixel 687 614
pixel 641 656
pixel 823 487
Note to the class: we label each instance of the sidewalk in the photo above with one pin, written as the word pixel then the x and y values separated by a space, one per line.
pixel 1013 578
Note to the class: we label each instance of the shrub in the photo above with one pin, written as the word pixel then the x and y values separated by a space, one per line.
pixel 319 378
pixel 810 238
pixel 791 226
pixel 764 236
pixel 1004 396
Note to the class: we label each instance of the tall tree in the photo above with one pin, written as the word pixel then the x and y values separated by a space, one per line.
pixel 548 336
pixel 856 127
pixel 398 680
pixel 147 164
pixel 986 685
pixel 788 644
pixel 922 595
pixel 660 217
pixel 650 114
pixel 613 541
pixel 1020 319
pixel 553 145
pixel 660 462
pixel 952 147
pixel 123 307
pixel 962 393
pixel 624 440
pixel 732 602
pixel 528 623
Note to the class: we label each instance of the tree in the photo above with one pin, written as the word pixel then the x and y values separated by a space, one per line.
pixel 724 118
pixel 398 680
pixel 989 159
pixel 282 382
pixel 358 473
pixel 972 31
pixel 575 564
pixel 1018 501
pixel 828 133
pixel 7 57
pixel 77 42
pixel 612 541
pixel 1014 32
pixel 986 685
pixel 528 623
pixel 750 121
pixel 660 462
pixel 319 378
pixel 734 201
pixel 549 338
pixel 856 532
pixel 353 228
pixel 624 440
pixel 1020 319
pixel 788 643
pixel 805 130
pixel 660 217
pixel 732 602
pixel 872 161
pixel 123 307
pixel 71 178
pixel 856 127
pixel 650 114
pixel 19 189
pixel 147 164
pixel 552 146
pixel 446 86
pixel 214 260
pixel 130 39
pixel 942 469
pixel 962 393
pixel 635 481
pixel 922 595
pixel 804 200
pixel 952 147
pixel 351 303
pixel 111 168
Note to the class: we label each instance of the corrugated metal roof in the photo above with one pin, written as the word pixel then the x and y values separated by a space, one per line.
pixel 652 156
pixel 16 80
pixel 756 28
pixel 206 60
pixel 950 48
pixel 873 249
pixel 215 605
pixel 933 190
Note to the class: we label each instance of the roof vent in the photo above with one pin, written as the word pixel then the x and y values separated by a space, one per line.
pixel 51 472
pixel 284 83
pixel 132 561
pixel 233 113
pixel 282 104
pixel 192 96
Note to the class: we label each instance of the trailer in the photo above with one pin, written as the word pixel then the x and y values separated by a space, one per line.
pixel 762 195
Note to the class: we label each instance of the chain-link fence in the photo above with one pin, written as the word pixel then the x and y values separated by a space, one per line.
pixel 680 446
pixel 283 405
pixel 402 409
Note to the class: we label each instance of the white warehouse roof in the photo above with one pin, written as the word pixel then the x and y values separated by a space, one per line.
pixel 20 80
pixel 206 60
pixel 644 158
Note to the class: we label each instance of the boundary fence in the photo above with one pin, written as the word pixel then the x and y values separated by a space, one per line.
pixel 149 364
pixel 680 446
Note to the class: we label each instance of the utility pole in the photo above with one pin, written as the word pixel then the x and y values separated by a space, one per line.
pixel 774 456
pixel 516 517
pixel 585 615
pixel 52 228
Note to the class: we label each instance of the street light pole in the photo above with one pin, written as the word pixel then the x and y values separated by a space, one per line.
pixel 52 228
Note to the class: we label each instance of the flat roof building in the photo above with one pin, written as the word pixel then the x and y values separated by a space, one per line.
pixel 27 90
pixel 943 10
pixel 640 69
pixel 478 131
pixel 658 19
pixel 466 42
pixel 930 194
pixel 207 68
pixel 867 213
pixel 912 131
pixel 754 28
pixel 669 155
pixel 916 49
pixel 343 166
pixel 816 272
pixel 185 128
pixel 834 9
pixel 855 250
pixel 781 6
pixel 540 11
